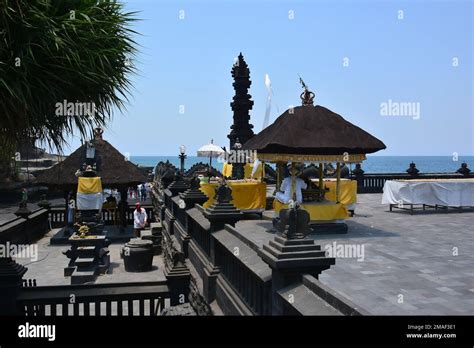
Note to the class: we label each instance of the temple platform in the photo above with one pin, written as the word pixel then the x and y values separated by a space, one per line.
pixel 48 269
pixel 392 263
pixel 388 263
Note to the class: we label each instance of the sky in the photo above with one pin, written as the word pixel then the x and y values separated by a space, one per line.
pixel 362 59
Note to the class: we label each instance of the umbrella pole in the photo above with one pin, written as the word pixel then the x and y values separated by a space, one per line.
pixel 338 181
pixel 210 166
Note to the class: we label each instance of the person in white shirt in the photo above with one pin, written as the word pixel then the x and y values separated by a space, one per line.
pixel 70 212
pixel 139 219
pixel 284 196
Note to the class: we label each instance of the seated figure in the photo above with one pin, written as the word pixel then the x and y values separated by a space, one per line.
pixel 284 196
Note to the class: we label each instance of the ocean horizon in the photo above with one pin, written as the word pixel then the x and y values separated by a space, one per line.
pixel 373 164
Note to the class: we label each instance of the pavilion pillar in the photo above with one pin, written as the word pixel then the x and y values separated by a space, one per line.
pixel 279 167
pixel 338 181
pixel 293 181
pixel 321 176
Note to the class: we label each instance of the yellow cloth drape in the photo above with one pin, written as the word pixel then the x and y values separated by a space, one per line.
pixel 246 195
pixel 347 193
pixel 227 170
pixel 89 185
pixel 319 211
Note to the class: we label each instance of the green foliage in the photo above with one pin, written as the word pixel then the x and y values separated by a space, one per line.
pixel 51 51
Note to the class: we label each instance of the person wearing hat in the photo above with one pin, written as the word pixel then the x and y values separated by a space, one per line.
pixel 139 220
pixel 284 196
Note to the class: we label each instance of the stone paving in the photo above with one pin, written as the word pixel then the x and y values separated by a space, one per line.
pixel 49 268
pixel 411 265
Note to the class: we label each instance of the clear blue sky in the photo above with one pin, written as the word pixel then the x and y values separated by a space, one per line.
pixel 188 62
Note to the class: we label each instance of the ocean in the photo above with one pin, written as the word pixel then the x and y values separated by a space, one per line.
pixel 373 164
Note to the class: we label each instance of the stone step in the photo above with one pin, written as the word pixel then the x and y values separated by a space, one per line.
pixel 83 262
pixel 86 251
pixel 83 276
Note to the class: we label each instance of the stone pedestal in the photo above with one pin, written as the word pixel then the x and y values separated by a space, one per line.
pixel 88 256
pixel 223 211
pixel 176 271
pixel 23 210
pixel 193 195
pixel 178 185
pixel 11 280
pixel 291 254
pixel 219 214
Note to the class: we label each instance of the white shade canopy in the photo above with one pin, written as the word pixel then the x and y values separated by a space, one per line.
pixel 210 150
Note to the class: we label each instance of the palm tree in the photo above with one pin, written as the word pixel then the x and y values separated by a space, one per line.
pixel 58 52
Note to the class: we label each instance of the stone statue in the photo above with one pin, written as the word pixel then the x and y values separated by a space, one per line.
pixel 293 223
pixel 223 193
pixel 413 170
pixel 464 170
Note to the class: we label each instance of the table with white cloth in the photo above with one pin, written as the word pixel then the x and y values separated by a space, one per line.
pixel 442 193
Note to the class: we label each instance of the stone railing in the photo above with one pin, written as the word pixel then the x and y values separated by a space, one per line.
pixel 121 299
pixel 248 274
pixel 57 215
pixel 233 273
pixel 25 229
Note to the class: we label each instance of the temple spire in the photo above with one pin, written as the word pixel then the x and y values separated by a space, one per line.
pixel 241 103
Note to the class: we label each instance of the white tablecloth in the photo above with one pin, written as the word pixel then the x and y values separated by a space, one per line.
pixel 453 193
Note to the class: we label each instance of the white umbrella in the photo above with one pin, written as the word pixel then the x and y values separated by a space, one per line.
pixel 210 150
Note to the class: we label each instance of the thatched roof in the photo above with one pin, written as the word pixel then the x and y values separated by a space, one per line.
pixel 313 130
pixel 112 167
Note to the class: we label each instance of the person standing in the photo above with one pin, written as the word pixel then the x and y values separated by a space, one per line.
pixel 70 212
pixel 139 220
pixel 143 192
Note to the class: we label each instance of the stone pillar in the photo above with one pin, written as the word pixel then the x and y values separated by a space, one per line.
pixel 291 254
pixel 176 272
pixel 178 185
pixel 241 103
pixel 11 281
pixel 189 198
pixel 219 214
pixel 24 212
pixel 193 194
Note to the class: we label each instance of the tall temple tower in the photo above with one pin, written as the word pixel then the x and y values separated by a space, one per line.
pixel 242 103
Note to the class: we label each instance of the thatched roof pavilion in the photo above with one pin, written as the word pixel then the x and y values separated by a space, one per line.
pixel 113 168
pixel 309 133
pixel 313 130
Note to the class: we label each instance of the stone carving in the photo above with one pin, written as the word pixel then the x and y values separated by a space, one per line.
pixel 241 103
pixel 464 170
pixel 412 170
pixel 293 223
pixel 223 193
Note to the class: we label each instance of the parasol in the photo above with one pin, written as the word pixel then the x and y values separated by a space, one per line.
pixel 210 150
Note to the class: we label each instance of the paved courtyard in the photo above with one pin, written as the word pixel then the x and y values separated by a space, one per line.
pixel 406 264
pixel 411 265
pixel 49 268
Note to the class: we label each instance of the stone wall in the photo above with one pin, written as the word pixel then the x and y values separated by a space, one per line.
pixel 233 276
